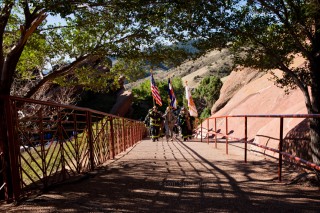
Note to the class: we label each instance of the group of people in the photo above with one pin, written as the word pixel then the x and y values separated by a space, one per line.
pixel 169 124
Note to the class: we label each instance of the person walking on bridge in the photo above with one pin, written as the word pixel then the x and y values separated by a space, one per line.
pixel 170 121
pixel 147 122
pixel 184 123
pixel 190 121
pixel 155 121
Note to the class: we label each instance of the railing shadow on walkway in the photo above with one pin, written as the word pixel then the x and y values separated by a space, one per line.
pixel 289 148
pixel 178 177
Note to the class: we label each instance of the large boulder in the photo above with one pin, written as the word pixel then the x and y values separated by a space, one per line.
pixel 123 103
pixel 233 83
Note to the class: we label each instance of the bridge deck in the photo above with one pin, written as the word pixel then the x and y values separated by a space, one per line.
pixel 179 177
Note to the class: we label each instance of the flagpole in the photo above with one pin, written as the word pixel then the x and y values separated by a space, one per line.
pixel 187 99
pixel 154 103
pixel 172 99
pixel 169 99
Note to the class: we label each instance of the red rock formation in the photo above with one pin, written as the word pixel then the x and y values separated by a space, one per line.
pixel 236 80
pixel 123 103
pixel 247 92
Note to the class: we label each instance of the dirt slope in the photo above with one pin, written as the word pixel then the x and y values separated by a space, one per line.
pixel 213 63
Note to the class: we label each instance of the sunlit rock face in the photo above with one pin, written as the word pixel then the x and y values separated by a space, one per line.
pixel 123 103
pixel 247 92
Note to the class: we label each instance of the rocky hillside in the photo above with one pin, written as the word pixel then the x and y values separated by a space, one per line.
pixel 213 63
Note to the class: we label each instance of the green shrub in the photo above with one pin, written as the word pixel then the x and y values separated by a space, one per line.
pixel 207 94
pixel 142 97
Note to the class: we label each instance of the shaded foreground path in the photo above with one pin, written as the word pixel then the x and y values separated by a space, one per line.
pixel 178 177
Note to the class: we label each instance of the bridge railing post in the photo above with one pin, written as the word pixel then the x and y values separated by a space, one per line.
pixel 215 135
pixel 123 141
pixel 90 140
pixel 200 130
pixel 280 149
pixel 112 151
pixel 227 135
pixel 245 138
pixel 11 176
pixel 208 130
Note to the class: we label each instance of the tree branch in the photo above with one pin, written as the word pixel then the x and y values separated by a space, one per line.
pixel 5 14
pixel 304 89
pixel 61 72
pixel 288 27
pixel 9 66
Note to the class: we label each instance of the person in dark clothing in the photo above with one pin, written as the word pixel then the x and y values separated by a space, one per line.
pixel 147 122
pixel 154 122
pixel 162 130
pixel 183 123
pixel 190 121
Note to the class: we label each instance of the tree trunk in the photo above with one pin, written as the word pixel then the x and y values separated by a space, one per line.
pixel 5 176
pixel 315 139
pixel 315 104
pixel 5 85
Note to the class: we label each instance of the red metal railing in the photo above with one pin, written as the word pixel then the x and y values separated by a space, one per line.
pixel 51 142
pixel 224 123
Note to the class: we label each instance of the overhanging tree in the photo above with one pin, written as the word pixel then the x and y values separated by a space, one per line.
pixel 266 34
pixel 94 30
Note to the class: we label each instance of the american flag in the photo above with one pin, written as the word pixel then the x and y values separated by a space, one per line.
pixel 173 101
pixel 155 92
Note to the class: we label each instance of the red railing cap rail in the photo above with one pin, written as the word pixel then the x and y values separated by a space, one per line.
pixel 72 107
pixel 271 116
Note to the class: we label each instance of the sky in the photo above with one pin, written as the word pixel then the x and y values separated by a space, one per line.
pixel 55 20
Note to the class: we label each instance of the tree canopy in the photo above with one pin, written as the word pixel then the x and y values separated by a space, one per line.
pixel 137 33
pixel 266 35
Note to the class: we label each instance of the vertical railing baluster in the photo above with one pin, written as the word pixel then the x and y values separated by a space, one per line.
pixel 75 138
pixel 42 148
pixel 123 136
pixel 200 130
pixel 227 151
pixel 245 138
pixel 90 140
pixel 132 133
pixel 111 139
pixel 280 149
pixel 215 135
pixel 208 130
pixel 60 138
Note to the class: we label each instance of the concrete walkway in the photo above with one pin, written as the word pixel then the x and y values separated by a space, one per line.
pixel 179 177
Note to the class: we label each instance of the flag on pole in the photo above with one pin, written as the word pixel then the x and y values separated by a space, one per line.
pixel 173 100
pixel 192 107
pixel 155 91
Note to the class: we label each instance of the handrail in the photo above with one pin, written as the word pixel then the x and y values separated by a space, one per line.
pixel 80 140
pixel 50 103
pixel 245 139
pixel 271 116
